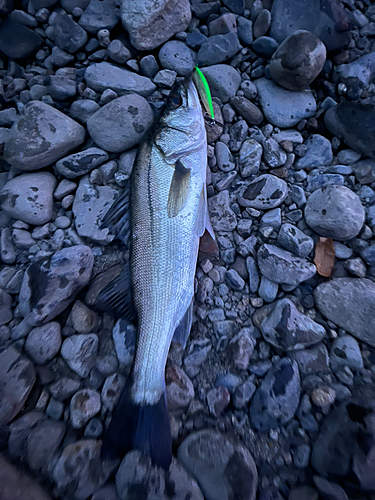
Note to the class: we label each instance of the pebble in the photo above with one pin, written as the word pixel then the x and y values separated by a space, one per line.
pixel 43 443
pixel 268 289
pixel 247 110
pixel 282 107
pixel 179 388
pixel 294 240
pixel 51 284
pixel 176 56
pixel 165 78
pixel 264 46
pixel 82 110
pixel 118 52
pixel 155 22
pixel 329 490
pixel 224 81
pixel 245 30
pixel 79 352
pixel 357 75
pixel 241 347
pixel 7 250
pixel 67 34
pixel 273 154
pixel 217 49
pixel 250 157
pixel 276 400
pixel 283 267
pixel 222 25
pixel 318 153
pixel 83 319
pixel 99 15
pixel 81 163
pixel 17 41
pixel 222 216
pixel 335 212
pixel 298 61
pixel 43 342
pixel 345 351
pixel 124 336
pixel 288 329
pixel 121 124
pixel 64 388
pixel 349 302
pixel 17 378
pixel 265 192
pixel 237 135
pixel 222 468
pixel 312 360
pixel 323 396
pixel 262 23
pixel 224 157
pixel 60 88
pixel 21 150
pixel 84 405
pixel 218 399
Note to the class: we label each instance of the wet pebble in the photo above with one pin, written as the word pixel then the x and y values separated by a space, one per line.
pixel 43 342
pixel 79 352
pixel 84 405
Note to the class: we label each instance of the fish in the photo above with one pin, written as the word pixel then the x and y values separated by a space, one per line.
pixel 168 211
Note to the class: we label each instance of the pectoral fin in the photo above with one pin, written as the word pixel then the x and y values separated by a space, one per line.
pixel 117 219
pixel 179 190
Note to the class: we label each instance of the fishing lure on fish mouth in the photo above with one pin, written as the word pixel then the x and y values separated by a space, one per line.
pixel 169 214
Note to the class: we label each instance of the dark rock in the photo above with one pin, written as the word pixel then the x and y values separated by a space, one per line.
pixel 247 110
pixel 43 443
pixel 294 240
pixel 99 14
pixel 17 41
pixel 265 46
pixel 176 56
pixel 217 49
pixel 81 163
pixel 224 81
pixel 312 360
pixel 67 34
pixel 179 388
pixel 329 491
pixel 357 75
pixel 236 6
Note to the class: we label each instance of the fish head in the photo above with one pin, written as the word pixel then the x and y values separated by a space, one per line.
pixel 181 128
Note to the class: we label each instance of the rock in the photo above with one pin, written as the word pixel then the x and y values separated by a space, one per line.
pixel 60 88
pixel 283 108
pixel 16 485
pixel 237 133
pixel 17 378
pixel 357 75
pixel 224 157
pixel 298 61
pixel 106 493
pixel 294 240
pixel 236 6
pixel 234 280
pixel 288 329
pixel 83 319
pixel 262 23
pixel 79 352
pixel 52 283
pixel 29 197
pixel 365 171
pixel 222 216
pixel 264 46
pixel 99 14
pixel 318 153
pixel 83 109
pixel 66 33
pixel 335 212
pixel 265 192
pixel 217 49
pixel 329 491
pixel 276 400
pixel 345 351
pixel 243 393
pixel 247 110
pixel 179 389
pixel 250 157
pixel 273 154
pixel 303 493
pixel 165 78
pixel 17 41
pixel 222 468
pixel 40 136
pixel 7 252
pixel 312 360
pixel 91 203
pixel 79 472
pixel 81 163
pixel 43 342
pixel 224 81
pixel 64 388
pixel 327 21
pixel 349 303
pixel 43 443
pixel 282 267
pixel 111 391
pixel 121 124
pixel 245 30
pixel 84 405
pixel 353 123
pixel 176 56
pixel 222 25
pixel 101 76
pixel 136 474
pixel 124 337
pixel 241 347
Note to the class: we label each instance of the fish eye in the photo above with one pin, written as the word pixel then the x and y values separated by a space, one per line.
pixel 175 101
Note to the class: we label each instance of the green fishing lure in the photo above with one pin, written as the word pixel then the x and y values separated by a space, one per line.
pixel 204 91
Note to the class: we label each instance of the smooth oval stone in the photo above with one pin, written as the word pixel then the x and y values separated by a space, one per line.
pixel 265 192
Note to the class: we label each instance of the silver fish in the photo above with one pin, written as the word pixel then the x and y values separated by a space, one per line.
pixel 168 216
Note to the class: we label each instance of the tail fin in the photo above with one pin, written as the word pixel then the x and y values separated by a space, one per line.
pixel 144 428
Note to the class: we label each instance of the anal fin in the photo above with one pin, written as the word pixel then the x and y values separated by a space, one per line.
pixel 182 331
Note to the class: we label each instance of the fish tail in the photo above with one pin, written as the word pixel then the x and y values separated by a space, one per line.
pixel 140 427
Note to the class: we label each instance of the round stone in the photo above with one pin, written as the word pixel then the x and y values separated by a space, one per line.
pixel 298 60
pixel 177 56
pixel 265 192
pixel 335 212
pixel 43 342
pixel 84 405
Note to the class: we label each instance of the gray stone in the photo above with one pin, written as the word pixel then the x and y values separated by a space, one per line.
pixel 151 23
pixel 234 280
pixel 243 393
pixel 328 490
pixel 79 472
pixel 81 163
pixel 84 405
pixel 224 81
pixel 272 218
pixel 273 154
pixel 318 153
pixel 245 30
pixel 283 267
pixel 247 110
pixel 7 250
pixel 313 360
pixel 298 61
pixel 43 443
pixel 241 347
pixel 365 171
pixel 237 135
pixel 253 274
pixel 121 124
pixel 111 391
pixel 345 351
pixel 91 203
pixel 282 107
pixel 82 110
pixel 124 337
pixel 276 400
pixel 67 34
pixel 40 136
pixel 29 197
pixel 17 378
pixel 60 88
pixel 222 216
pixel 218 399
pixel 64 388
pixel 335 212
pixel 17 41
pixel 222 468
pixel 60 58
pixel 99 14
pixel 83 319
pixel 264 46
pixel 165 78
pixel 79 352
pixel 224 157
pixel 358 74
pixel 265 192
pixel 222 25
pixel 136 474
pixel 179 388
pixel 176 56
pixel 296 241
pixel 101 76
pixel 268 289
pixel 217 49
pixel 250 157
pixel 368 255
pixel 149 66
pixel 118 52
pixel 316 180
pixel 43 342
pixel 7 117
pixel 262 23
pixel 288 329
pixel 50 284
pixel 350 304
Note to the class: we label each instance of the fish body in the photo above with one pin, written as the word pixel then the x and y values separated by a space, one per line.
pixel 168 216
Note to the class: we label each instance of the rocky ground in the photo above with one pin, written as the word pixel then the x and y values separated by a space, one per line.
pixel 274 396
